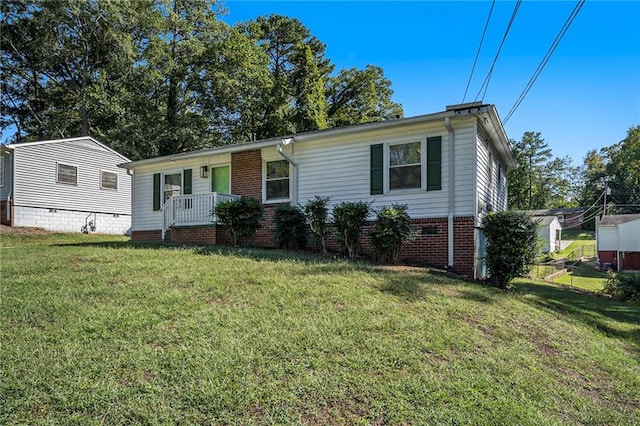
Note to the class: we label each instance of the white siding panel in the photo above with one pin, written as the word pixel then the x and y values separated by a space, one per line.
pixel 36 175
pixel 342 171
pixel 629 235
pixel 144 218
pixel 608 238
pixel 464 187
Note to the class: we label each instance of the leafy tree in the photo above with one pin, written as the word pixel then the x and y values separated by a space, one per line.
pixel 540 181
pixel 360 96
pixel 297 68
pixel 511 246
pixel 623 173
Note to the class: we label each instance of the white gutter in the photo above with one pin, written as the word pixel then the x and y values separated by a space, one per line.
pixel 451 173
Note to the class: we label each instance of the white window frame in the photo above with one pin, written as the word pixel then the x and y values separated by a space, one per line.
pixel 264 182
pixel 163 182
pixel 423 164
pixel 102 172
pixel 58 164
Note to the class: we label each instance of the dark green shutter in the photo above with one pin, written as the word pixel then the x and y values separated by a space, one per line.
pixel 187 182
pixel 156 191
pixel 434 163
pixel 377 169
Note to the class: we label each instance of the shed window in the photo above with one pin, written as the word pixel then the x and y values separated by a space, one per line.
pixel 277 180
pixel 67 174
pixel 108 180
pixel 405 165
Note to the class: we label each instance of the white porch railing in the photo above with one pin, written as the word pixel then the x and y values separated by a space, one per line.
pixel 192 210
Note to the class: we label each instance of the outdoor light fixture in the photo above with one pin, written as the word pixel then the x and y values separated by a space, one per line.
pixel 204 172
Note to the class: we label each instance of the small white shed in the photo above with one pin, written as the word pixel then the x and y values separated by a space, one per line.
pixel 549 232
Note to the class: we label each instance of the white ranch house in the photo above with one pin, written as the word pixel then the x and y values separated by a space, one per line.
pixel 449 167
pixel 65 185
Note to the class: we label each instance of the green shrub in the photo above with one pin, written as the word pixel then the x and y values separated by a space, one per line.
pixel 511 246
pixel 242 216
pixel 391 229
pixel 622 286
pixel 317 215
pixel 291 227
pixel 349 218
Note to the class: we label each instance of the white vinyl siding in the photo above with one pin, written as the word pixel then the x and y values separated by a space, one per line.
pixel 2 160
pixel 36 177
pixel 629 236
pixel 340 169
pixel 491 180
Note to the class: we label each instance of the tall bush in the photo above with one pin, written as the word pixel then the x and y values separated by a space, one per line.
pixel 242 216
pixel 349 218
pixel 291 227
pixel 622 286
pixel 511 246
pixel 317 215
pixel 391 229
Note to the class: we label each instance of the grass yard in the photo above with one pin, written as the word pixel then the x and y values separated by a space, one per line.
pixel 97 330
pixel 584 277
pixel 584 244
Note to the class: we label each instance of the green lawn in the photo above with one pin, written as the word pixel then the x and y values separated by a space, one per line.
pixel 584 244
pixel 584 277
pixel 98 330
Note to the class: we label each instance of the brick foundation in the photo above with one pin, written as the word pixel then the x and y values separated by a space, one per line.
pixel 154 235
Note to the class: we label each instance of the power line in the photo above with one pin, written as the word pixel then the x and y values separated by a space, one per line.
pixel 546 58
pixel 486 25
pixel 485 84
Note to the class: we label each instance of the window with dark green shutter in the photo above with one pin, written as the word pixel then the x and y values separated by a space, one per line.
pixel 434 163
pixel 188 185
pixel 377 169
pixel 156 191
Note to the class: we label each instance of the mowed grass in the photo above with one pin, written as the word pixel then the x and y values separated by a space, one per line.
pixel 584 277
pixel 109 332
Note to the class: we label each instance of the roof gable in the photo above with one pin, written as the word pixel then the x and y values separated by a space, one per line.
pixel 67 140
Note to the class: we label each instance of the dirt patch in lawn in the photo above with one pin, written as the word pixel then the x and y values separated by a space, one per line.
pixel 22 231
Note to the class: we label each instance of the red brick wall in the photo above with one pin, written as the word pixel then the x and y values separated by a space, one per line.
pixel 193 235
pixel 246 174
pixel 246 179
pixel 155 235
pixel 430 249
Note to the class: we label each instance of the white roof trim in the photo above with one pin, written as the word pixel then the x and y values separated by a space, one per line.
pixel 81 138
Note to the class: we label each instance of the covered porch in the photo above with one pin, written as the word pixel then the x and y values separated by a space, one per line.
pixel 192 210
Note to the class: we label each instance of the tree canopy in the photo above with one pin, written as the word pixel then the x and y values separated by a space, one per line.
pixel 155 77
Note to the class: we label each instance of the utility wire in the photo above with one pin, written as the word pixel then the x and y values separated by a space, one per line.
pixel 546 58
pixel 485 84
pixel 486 25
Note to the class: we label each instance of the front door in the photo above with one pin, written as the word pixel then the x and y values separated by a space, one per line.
pixel 220 181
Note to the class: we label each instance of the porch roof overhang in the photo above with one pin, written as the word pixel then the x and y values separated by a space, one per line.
pixel 485 113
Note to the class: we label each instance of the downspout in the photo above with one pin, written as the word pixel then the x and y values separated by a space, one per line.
pixel 294 187
pixel 447 122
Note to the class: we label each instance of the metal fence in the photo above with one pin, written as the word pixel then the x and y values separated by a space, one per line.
pixel 541 271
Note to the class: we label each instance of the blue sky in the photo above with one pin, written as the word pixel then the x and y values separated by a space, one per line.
pixel 586 97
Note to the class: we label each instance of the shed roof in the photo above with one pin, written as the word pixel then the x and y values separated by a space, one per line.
pixel 618 219
pixel 545 220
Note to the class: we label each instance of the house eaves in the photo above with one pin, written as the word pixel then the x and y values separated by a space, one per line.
pixel 481 112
